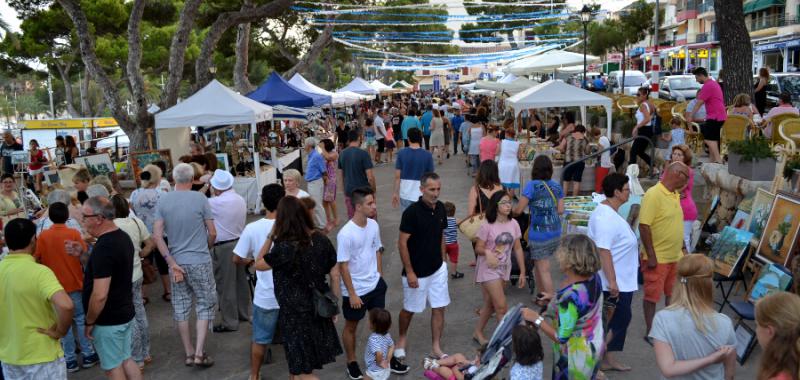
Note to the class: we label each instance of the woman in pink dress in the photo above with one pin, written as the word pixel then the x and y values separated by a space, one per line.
pixel 489 144
pixel 497 238
pixel 329 191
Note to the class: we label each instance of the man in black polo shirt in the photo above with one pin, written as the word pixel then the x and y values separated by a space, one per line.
pixel 421 246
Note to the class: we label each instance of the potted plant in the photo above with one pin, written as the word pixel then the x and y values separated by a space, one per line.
pixel 791 171
pixel 752 159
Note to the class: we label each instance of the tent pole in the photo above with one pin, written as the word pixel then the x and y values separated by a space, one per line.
pixel 256 159
pixel 608 122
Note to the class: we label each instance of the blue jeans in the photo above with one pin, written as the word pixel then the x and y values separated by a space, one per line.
pixel 78 319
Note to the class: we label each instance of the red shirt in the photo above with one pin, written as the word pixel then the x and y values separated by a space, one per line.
pixel 37 160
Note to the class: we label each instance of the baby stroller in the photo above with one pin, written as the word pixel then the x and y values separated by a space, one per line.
pixel 498 351
pixel 523 220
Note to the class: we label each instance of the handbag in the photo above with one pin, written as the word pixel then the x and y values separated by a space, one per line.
pixel 326 304
pixel 470 226
pixel 149 271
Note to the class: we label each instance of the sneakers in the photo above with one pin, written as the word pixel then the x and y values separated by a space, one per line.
pixel 72 366
pixel 90 361
pixel 397 366
pixel 353 371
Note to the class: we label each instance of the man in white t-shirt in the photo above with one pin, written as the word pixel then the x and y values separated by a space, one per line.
pixel 380 134
pixel 619 253
pixel 358 253
pixel 265 305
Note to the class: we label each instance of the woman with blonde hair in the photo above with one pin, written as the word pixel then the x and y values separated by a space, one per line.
pixel 291 183
pixel 743 107
pixel 690 338
pixel 778 333
pixel 577 328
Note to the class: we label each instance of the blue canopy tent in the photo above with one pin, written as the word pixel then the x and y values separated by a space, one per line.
pixel 277 91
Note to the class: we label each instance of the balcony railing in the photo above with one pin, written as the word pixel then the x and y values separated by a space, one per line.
pixel 771 21
pixel 706 37
pixel 707 6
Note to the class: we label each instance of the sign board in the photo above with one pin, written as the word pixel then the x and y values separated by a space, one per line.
pixel 104 122
pixel 777 45
pixel 454 77
pixel 437 85
pixel 56 124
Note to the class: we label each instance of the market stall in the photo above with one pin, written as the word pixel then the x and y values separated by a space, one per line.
pixel 337 99
pixel 277 91
pixel 547 62
pixel 216 105
pixel 359 86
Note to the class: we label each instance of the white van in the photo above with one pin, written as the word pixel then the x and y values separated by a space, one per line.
pixel 633 80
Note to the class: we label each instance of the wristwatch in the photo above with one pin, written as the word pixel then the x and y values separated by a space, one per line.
pixel 538 321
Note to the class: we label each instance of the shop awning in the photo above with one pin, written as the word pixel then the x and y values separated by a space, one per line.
pixel 757 5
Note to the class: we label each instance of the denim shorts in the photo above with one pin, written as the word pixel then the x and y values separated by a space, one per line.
pixel 113 344
pixel 264 323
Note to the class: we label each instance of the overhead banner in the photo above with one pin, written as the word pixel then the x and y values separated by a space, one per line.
pixel 103 122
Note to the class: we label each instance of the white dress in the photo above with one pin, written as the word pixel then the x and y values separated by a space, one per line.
pixel 508 164
pixel 437 132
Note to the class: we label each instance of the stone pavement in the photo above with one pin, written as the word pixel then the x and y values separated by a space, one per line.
pixel 231 350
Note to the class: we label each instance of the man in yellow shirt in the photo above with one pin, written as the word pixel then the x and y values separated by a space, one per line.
pixel 661 231
pixel 37 312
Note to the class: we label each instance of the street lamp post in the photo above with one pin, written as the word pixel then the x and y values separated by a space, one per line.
pixel 586 15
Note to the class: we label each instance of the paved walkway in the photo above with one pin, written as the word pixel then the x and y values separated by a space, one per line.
pixel 231 350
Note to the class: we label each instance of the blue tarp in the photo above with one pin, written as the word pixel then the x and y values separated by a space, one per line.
pixel 277 91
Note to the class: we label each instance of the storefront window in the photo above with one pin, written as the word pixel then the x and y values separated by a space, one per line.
pixel 773 60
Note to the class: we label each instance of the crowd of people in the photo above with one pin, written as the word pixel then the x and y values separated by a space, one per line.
pixel 83 258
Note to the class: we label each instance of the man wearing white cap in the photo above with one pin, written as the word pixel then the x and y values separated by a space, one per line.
pixel 229 210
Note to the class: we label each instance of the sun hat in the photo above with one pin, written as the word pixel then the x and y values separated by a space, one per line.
pixel 222 180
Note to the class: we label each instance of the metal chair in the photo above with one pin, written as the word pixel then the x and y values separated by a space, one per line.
pixel 789 131
pixel 627 103
pixel 665 111
pixel 775 122
pixel 735 128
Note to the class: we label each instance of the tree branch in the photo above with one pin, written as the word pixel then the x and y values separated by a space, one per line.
pixel 110 94
pixel 177 53
pixel 313 52
pixel 134 73
pixel 224 22
pixel 63 72
pixel 281 47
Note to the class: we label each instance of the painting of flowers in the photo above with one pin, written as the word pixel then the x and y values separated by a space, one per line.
pixel 759 212
pixel 780 232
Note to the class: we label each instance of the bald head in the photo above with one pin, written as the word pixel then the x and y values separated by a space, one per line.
pixel 676 174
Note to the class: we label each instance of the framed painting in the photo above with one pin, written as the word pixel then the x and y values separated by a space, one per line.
pixel 222 162
pixel 744 341
pixel 97 164
pixel 771 278
pixel 139 160
pixel 780 232
pixel 727 252
pixel 51 177
pixel 739 220
pixel 759 212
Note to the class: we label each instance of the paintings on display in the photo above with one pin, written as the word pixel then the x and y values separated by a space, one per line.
pixel 729 249
pixel 97 164
pixel 759 212
pixel 779 233
pixel 771 279
pixel 141 159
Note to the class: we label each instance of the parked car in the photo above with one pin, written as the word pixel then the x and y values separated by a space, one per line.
pixel 649 75
pixel 782 82
pixel 634 79
pixel 678 87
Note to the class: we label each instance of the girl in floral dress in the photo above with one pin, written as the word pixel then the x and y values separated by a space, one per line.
pixel 329 192
pixel 577 329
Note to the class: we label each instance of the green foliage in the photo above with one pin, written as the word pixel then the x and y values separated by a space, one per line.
pixel 29 105
pixel 617 34
pixel 752 149
pixel 792 164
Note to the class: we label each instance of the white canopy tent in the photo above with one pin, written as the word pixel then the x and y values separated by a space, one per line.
pixel 401 84
pixel 337 99
pixel 359 86
pixel 354 97
pixel 507 79
pixel 555 93
pixel 215 105
pixel 547 62
pixel 116 139
pixel 382 88
pixel 516 86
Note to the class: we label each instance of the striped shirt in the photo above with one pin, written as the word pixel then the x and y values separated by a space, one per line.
pixel 377 343
pixel 451 232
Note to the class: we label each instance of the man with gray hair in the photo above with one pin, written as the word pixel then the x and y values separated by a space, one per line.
pixel 316 170
pixel 108 290
pixel 233 291
pixel 44 222
pixel 185 216
pixel 97 190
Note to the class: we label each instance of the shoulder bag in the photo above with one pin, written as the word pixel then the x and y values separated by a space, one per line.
pixel 149 271
pixel 326 304
pixel 470 226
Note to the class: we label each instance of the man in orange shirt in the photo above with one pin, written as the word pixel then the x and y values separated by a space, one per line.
pixel 51 251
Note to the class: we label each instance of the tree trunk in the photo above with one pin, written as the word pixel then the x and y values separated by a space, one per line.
pixel 86 109
pixel 177 53
pixel 224 22
pixel 240 77
pixel 313 52
pixel 328 61
pixel 736 49
pixel 135 77
pixel 86 40
pixel 624 58
pixel 63 72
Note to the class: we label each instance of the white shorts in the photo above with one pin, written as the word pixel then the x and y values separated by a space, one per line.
pixel 432 289
pixel 383 374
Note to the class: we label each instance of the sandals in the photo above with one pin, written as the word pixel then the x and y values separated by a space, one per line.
pixel 456 275
pixel 189 361
pixel 167 297
pixel 203 361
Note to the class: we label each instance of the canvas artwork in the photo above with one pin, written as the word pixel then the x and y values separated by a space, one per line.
pixel 51 177
pixel 710 221
pixel 141 159
pixel 780 231
pixel 729 249
pixel 222 162
pixel 772 278
pixel 97 164
pixel 759 212
pixel 739 220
